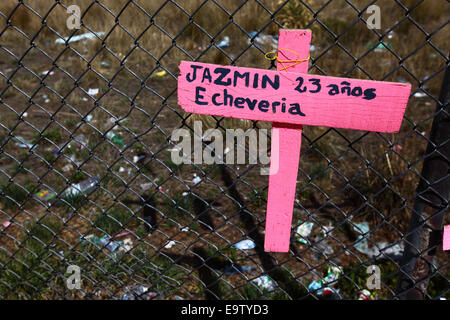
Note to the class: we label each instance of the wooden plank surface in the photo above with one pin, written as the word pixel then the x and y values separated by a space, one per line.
pixel 291 97
pixel 285 151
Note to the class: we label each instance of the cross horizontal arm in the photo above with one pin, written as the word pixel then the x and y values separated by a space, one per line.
pixel 291 97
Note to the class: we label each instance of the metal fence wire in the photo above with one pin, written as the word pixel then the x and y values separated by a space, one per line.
pixel 89 190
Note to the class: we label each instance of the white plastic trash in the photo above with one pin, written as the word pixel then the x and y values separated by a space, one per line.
pixel 196 179
pixel 170 244
pixel 420 95
pixel 93 92
pixel 84 36
pixel 67 167
pixel 244 245
pixel 264 282
pixel 146 186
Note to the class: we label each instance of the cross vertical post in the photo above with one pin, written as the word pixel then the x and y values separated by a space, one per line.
pixel 290 98
pixel 286 140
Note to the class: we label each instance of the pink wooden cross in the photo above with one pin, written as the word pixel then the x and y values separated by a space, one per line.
pixel 289 98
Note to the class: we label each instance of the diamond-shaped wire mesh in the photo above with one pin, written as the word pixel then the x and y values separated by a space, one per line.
pixel 87 178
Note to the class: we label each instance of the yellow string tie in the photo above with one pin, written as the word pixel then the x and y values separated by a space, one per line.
pixel 275 57
pixel 295 61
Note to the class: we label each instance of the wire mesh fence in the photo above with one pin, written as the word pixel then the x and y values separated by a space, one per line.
pixel 89 187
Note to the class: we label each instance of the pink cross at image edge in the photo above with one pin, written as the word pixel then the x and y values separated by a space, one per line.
pixel 446 238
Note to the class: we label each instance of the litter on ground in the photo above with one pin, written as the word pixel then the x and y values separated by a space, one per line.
pixel 84 36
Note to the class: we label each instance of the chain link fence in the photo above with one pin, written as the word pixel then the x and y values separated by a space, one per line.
pixel 87 180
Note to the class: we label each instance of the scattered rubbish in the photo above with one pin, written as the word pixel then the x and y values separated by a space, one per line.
pixel 112 122
pixel 315 286
pixel 47 100
pixel 68 167
pixel 138 292
pixel 121 169
pixel 232 269
pixel 161 73
pixel 398 147
pixel 127 245
pixel 25 114
pixel 115 139
pixel 420 95
pixel 185 229
pixel 105 64
pixel 394 251
pixel 263 39
pixel 47 72
pixel 196 179
pixel 378 250
pixel 82 187
pixel 146 186
pixel 45 195
pixel 312 48
pixel 224 43
pixel 81 141
pixel 93 92
pixel 185 194
pixel 244 245
pixel 139 157
pixel 6 224
pixel 321 245
pixel 330 293
pixel 24 143
pixel 170 244
pixel 264 282
pixel 325 231
pixel 84 99
pixel 324 287
pixel 78 143
pixel 318 289
pixel 361 228
pixel 84 36
pixel 379 47
pixel 366 295
pixel 89 117
pixel 333 274
pixel 178 298
pixel 303 231
pixel 120 235
pixel 74 160
pixel 390 34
